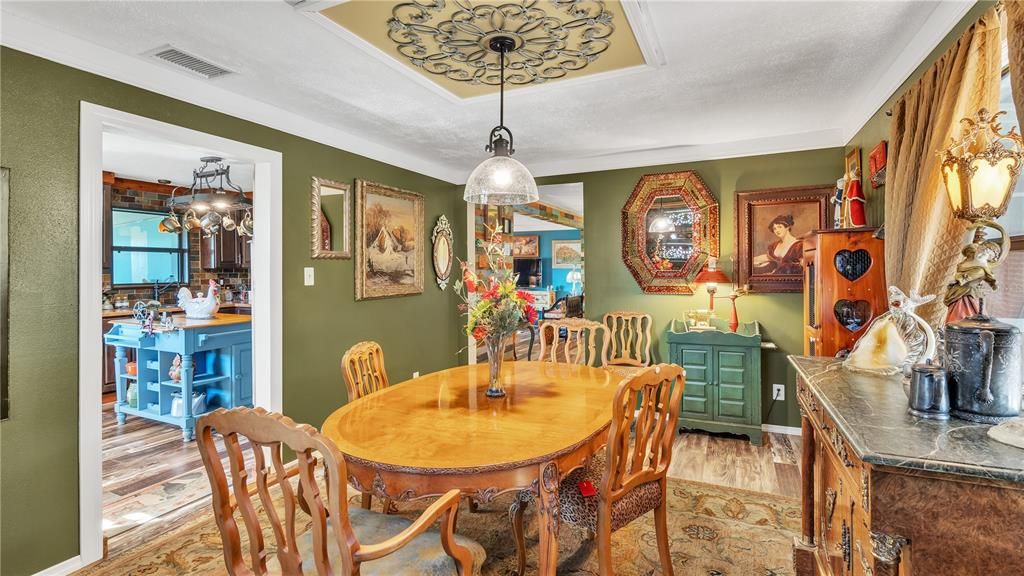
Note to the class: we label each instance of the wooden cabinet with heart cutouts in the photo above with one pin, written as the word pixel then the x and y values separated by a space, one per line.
pixel 844 288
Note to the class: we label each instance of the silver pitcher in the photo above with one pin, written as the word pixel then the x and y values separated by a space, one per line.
pixel 929 391
pixel 983 363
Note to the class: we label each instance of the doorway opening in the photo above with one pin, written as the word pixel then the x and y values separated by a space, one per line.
pixel 180 313
pixel 545 243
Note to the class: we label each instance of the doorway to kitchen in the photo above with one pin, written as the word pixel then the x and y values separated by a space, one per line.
pixel 544 242
pixel 180 313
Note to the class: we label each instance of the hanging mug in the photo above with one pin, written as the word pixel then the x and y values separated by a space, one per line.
pixel 170 223
pixel 210 221
pixel 246 225
pixel 191 222
pixel 227 222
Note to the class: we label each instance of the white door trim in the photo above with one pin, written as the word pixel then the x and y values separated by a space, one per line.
pixel 266 283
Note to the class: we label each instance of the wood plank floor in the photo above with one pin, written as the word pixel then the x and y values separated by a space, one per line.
pixel 150 476
pixel 727 460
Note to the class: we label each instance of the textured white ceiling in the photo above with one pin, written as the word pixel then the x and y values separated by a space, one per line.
pixel 144 157
pixel 739 78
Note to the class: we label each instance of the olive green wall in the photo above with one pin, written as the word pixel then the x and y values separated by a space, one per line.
pixel 876 128
pixel 39 102
pixel 610 286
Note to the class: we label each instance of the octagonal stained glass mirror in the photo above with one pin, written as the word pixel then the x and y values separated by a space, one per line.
pixel 669 229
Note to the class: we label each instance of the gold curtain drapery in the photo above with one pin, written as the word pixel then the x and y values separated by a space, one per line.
pixel 1015 45
pixel 922 238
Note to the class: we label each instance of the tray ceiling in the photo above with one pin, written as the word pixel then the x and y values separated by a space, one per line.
pixel 446 42
pixel 721 79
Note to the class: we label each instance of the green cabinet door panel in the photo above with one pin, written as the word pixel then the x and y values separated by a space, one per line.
pixel 733 379
pixel 697 362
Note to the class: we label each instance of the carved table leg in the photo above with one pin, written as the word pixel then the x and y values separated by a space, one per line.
pixel 515 516
pixel 366 500
pixel 887 551
pixel 548 519
pixel 474 507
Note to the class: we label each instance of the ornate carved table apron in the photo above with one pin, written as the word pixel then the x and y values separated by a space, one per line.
pixel 423 437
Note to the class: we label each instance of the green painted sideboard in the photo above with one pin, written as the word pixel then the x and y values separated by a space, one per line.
pixel 723 378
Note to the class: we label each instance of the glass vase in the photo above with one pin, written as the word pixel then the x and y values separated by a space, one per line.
pixel 495 354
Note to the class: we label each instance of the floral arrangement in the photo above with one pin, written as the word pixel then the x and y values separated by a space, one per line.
pixel 493 307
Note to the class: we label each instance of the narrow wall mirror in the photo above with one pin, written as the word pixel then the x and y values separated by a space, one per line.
pixel 669 229
pixel 332 210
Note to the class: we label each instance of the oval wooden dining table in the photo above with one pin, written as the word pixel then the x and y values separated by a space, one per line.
pixel 425 436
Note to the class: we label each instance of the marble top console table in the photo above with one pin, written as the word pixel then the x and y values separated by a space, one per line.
pixel 884 492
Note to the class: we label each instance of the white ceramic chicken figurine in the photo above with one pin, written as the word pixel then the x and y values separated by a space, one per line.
pixel 200 308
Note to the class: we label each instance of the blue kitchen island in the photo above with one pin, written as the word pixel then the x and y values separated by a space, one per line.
pixel 216 361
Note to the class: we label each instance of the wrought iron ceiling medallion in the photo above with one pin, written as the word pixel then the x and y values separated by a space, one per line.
pixel 548 44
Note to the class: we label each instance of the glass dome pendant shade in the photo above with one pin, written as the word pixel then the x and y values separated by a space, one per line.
pixel 501 179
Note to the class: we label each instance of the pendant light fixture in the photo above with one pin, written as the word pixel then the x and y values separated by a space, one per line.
pixel 501 179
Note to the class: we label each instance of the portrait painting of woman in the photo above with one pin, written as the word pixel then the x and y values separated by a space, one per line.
pixel 784 252
pixel 771 227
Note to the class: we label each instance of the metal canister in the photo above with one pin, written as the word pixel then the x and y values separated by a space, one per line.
pixel 929 392
pixel 983 363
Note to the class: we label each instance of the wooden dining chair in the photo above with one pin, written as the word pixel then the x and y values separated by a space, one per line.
pixel 334 542
pixel 629 347
pixel 630 474
pixel 363 369
pixel 585 342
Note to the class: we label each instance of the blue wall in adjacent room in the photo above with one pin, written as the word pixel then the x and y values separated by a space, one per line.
pixel 553 276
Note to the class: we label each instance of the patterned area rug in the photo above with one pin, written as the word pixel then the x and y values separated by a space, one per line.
pixel 715 531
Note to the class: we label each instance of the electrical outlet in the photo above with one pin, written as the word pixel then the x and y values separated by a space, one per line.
pixel 307 276
pixel 778 392
pixel 415 374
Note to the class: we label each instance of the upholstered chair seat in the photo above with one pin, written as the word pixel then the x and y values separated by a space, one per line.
pixel 423 555
pixel 581 511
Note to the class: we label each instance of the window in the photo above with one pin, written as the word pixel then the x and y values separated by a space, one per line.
pixel 142 254
pixel 1008 301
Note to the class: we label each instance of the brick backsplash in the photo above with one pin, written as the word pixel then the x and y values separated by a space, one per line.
pixel 198 278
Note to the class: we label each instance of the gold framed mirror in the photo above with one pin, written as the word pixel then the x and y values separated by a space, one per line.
pixel 669 229
pixel 332 219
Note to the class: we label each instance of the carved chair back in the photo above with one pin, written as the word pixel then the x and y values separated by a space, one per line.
pixel 640 440
pixel 586 342
pixel 630 338
pixel 574 306
pixel 363 369
pixel 266 432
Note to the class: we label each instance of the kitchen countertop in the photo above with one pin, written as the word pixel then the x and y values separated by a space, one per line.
pixel 871 413
pixel 182 323
pixel 172 309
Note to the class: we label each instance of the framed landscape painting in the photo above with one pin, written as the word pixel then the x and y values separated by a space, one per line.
pixel 389 241
pixel 771 226
pixel 566 253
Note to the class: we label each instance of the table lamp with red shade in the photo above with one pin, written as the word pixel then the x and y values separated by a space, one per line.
pixel 711 277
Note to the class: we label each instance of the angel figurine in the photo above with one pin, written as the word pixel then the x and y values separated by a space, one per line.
pixel 175 371
pixel 974 272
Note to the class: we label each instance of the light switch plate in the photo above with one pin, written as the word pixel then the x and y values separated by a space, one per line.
pixel 415 374
pixel 778 392
pixel 307 276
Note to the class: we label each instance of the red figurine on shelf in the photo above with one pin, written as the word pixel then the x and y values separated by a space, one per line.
pixel 853 207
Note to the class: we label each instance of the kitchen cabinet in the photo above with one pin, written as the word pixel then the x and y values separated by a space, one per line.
pixel 723 378
pixel 225 250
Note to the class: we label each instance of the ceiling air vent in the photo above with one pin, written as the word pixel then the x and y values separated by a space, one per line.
pixel 185 61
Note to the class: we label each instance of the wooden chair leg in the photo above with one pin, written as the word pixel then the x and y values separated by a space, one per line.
pixel 366 500
pixel 604 543
pixel 661 531
pixel 515 516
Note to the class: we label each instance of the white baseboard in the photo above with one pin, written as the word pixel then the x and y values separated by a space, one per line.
pixel 791 430
pixel 66 567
